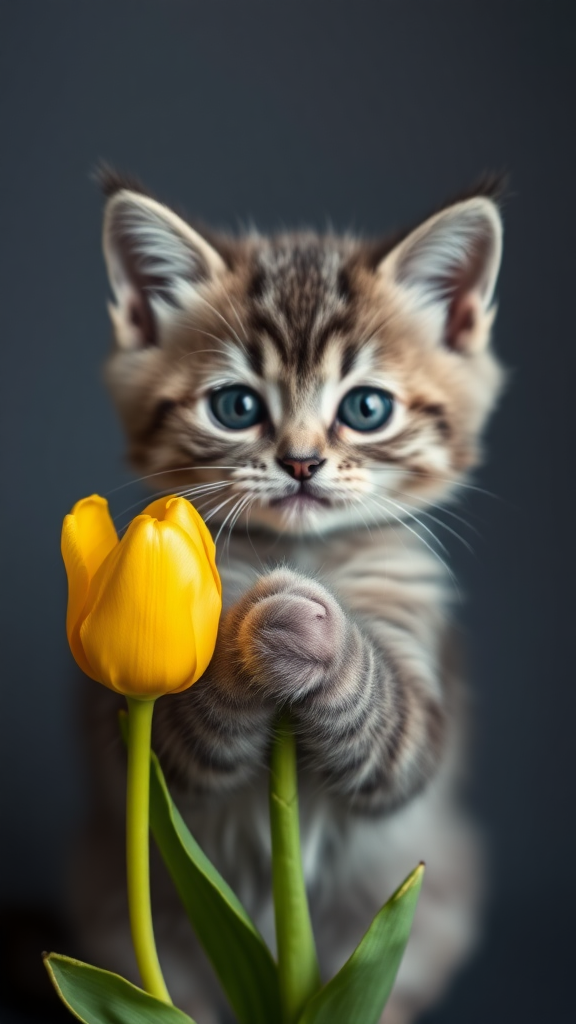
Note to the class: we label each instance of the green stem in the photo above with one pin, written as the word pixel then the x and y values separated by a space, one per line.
pixel 137 846
pixel 298 971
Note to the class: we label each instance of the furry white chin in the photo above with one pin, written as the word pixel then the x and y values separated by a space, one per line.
pixel 300 503
pixel 302 514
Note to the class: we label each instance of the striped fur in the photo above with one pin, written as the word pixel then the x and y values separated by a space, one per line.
pixel 336 602
pixel 363 687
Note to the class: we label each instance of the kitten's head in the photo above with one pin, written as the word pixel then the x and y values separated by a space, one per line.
pixel 302 382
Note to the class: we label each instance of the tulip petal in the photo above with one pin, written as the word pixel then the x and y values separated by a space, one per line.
pixel 177 510
pixel 88 536
pixel 153 612
pixel 208 602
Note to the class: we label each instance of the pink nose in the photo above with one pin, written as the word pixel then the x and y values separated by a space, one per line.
pixel 301 469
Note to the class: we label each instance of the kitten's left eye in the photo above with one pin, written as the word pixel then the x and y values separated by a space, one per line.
pixel 366 408
pixel 237 407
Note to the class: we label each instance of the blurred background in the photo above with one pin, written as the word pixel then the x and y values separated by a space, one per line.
pixel 367 115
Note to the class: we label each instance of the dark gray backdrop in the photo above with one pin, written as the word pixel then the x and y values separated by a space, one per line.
pixel 367 114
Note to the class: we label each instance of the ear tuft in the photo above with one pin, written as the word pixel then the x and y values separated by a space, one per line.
pixel 110 181
pixel 494 185
pixel 157 265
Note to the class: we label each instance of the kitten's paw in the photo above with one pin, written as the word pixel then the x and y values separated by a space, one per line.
pixel 292 633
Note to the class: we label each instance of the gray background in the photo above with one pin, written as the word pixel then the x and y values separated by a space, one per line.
pixel 367 114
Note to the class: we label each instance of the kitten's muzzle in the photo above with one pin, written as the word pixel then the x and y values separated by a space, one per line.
pixel 301 469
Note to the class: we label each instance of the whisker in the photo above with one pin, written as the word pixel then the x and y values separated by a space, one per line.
pixel 235 311
pixel 247 526
pixel 145 501
pixel 440 508
pixel 200 351
pixel 445 526
pixel 243 505
pixel 224 321
pixel 357 500
pixel 445 510
pixel 416 520
pixel 227 517
pixel 215 492
pixel 444 479
pixel 249 500
pixel 417 535
pixel 380 526
pixel 206 502
pixel 214 511
pixel 163 472
pixel 225 348
pixel 205 497
pixel 202 489
pixel 450 512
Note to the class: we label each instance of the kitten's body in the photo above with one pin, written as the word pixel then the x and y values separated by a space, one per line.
pixel 331 605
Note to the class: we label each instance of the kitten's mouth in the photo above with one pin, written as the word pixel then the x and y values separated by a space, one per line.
pixel 300 501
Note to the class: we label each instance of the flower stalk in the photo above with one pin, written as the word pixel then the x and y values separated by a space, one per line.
pixel 298 971
pixel 137 847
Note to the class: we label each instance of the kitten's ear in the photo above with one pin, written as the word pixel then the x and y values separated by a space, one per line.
pixel 449 266
pixel 157 265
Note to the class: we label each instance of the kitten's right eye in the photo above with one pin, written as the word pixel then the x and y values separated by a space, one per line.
pixel 366 408
pixel 237 407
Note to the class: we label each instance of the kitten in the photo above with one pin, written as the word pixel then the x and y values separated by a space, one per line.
pixel 311 394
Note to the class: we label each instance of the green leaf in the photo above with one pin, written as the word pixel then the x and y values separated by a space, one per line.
pixel 237 951
pixel 99 997
pixel 360 989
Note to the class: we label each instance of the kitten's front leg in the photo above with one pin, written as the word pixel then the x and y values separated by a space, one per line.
pixel 213 736
pixel 369 721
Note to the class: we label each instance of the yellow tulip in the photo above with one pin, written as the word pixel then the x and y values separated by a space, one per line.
pixel 142 611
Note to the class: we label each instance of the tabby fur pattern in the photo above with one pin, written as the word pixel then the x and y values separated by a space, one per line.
pixel 337 602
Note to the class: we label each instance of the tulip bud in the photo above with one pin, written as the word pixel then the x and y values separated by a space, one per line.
pixel 142 611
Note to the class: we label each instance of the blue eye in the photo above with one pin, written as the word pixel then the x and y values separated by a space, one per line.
pixel 237 407
pixel 366 408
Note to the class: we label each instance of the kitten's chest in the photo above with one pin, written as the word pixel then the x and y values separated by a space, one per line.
pixel 243 562
pixel 367 571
